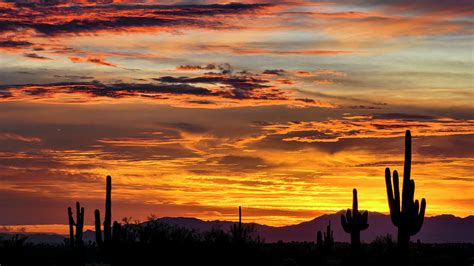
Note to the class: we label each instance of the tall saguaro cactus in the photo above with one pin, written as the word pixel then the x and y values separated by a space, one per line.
pixel 237 229
pixel 354 221
pixel 107 219
pixel 410 215
pixel 79 224
pixel 108 211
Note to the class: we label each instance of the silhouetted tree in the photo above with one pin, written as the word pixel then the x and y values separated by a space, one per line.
pixel 354 222
pixel 409 216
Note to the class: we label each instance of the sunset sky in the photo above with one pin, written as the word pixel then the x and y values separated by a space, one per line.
pixel 197 107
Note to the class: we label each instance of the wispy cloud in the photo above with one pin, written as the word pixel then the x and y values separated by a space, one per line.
pixel 12 136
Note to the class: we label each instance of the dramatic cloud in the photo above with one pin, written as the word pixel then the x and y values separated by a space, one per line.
pixel 207 90
pixel 377 126
pixel 77 19
pixel 220 91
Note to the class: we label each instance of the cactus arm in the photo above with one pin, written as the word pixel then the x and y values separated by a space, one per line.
pixel 419 217
pixel 390 197
pixel 71 227
pixel 388 185
pixel 422 210
pixel 349 217
pixel 396 192
pixel 344 224
pixel 80 223
pixel 364 219
pixel 393 196
pixel 98 232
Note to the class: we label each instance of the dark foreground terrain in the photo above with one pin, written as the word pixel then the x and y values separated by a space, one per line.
pixel 161 244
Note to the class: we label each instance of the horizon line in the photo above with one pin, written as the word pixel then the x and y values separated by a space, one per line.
pixel 18 228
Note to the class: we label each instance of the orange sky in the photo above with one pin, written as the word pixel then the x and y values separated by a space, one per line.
pixel 194 110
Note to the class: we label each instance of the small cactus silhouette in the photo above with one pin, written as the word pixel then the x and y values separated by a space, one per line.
pixel 79 224
pixel 408 216
pixel 329 237
pixel 354 221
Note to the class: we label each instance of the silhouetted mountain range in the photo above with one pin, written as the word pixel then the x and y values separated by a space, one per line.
pixel 436 229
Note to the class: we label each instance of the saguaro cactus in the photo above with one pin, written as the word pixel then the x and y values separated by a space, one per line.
pixel 107 219
pixel 409 216
pixel 354 221
pixel 328 237
pixel 79 223
pixel 108 210
pixel 237 229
